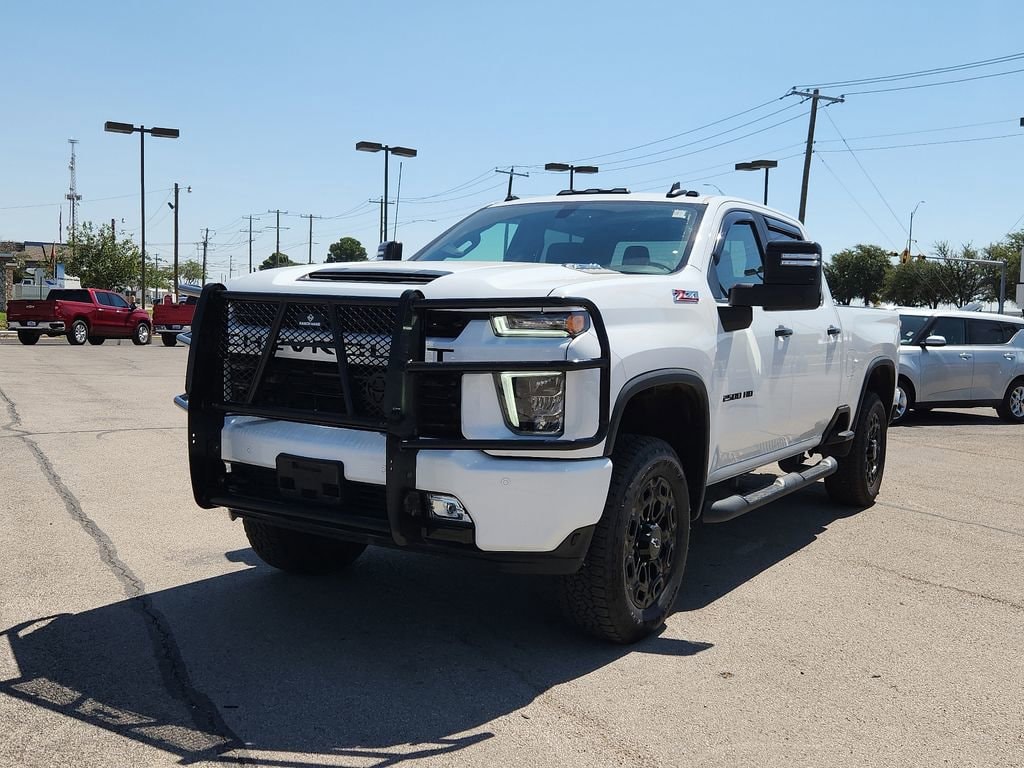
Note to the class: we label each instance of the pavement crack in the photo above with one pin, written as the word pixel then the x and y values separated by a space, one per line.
pixel 173 670
pixel 950 587
pixel 14 424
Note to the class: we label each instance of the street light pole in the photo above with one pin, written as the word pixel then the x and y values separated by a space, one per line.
pixel 572 169
pixel 373 146
pixel 756 165
pixel 165 133
pixel 910 232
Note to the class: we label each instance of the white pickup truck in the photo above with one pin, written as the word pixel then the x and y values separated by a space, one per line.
pixel 563 384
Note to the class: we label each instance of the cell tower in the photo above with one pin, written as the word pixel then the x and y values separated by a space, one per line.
pixel 73 195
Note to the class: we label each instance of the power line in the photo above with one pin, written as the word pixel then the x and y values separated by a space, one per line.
pixel 677 135
pixel 856 200
pixel 865 172
pixel 932 85
pixel 460 197
pixel 701 140
pixel 919 73
pixel 476 179
pixel 933 143
pixel 713 146
pixel 922 130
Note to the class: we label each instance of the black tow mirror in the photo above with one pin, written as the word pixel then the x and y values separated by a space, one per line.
pixel 389 250
pixel 791 278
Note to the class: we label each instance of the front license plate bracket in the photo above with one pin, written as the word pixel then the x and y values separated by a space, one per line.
pixel 309 480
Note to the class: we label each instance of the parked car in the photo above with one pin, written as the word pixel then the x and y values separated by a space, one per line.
pixel 954 359
pixel 170 319
pixel 81 314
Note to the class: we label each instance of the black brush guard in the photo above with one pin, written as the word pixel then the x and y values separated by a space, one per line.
pixel 216 387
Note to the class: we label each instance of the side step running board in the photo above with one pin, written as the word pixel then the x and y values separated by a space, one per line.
pixel 734 506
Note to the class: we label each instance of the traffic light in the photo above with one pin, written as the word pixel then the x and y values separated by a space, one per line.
pixel 905 256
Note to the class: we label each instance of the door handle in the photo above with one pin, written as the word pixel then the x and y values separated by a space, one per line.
pixel 833 331
pixel 1008 356
pixel 782 332
pixel 965 356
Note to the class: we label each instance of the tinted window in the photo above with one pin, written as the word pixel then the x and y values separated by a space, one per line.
pixel 780 230
pixel 1010 330
pixel 103 298
pixel 986 332
pixel 116 301
pixel 909 327
pixel 69 294
pixel 633 237
pixel 739 260
pixel 954 329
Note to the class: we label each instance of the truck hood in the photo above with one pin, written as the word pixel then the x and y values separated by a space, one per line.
pixel 435 279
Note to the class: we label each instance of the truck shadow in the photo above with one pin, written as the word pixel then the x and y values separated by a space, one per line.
pixel 725 556
pixel 961 418
pixel 403 657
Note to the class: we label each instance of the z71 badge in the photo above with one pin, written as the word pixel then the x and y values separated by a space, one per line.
pixel 685 297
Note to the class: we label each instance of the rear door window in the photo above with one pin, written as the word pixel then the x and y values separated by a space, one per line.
pixel 953 329
pixel 986 332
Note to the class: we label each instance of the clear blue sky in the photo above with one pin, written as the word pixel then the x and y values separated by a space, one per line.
pixel 271 98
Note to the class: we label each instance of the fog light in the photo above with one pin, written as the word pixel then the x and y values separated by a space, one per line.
pixel 445 507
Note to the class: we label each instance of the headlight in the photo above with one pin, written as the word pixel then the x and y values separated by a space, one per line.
pixel 543 324
pixel 534 401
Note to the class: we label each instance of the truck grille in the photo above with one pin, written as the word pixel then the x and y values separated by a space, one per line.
pixel 303 373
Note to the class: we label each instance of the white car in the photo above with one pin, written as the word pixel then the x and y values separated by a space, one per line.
pixel 951 359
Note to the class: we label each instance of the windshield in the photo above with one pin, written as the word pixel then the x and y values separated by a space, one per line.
pixel 632 237
pixel 909 326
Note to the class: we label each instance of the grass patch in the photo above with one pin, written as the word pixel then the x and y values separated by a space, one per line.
pixel 3 320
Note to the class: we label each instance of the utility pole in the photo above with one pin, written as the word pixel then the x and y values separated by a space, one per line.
pixel 815 97
pixel 310 216
pixel 73 195
pixel 250 240
pixel 277 248
pixel 206 240
pixel 176 297
pixel 380 201
pixel 511 172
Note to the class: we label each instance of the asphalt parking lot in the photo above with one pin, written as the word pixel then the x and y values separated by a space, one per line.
pixel 139 630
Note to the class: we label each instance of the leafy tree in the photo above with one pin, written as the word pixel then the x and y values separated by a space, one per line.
pixel 100 260
pixel 962 281
pixel 915 284
pixel 1008 250
pixel 190 271
pixel 276 260
pixel 858 273
pixel 161 276
pixel 346 249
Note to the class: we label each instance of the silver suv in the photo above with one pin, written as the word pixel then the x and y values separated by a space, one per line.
pixel 954 359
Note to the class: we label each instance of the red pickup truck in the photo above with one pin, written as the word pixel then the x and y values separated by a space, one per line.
pixel 170 319
pixel 82 314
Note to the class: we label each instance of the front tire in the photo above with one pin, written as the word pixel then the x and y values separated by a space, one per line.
pixel 169 339
pixel 634 567
pixel 1012 407
pixel 857 481
pixel 141 335
pixel 78 333
pixel 904 400
pixel 298 552
pixel 28 338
